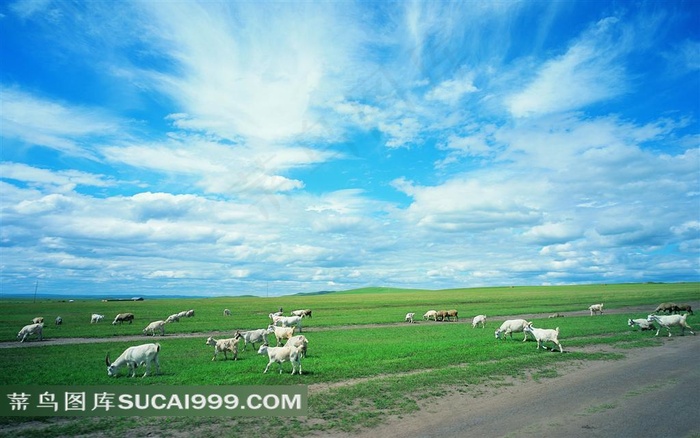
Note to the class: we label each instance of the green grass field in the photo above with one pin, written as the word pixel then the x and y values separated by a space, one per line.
pixel 352 335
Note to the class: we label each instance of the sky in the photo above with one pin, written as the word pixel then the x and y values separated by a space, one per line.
pixel 272 148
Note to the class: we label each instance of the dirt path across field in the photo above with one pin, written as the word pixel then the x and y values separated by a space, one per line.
pixel 651 392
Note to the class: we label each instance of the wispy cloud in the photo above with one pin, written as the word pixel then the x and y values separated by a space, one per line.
pixel 43 122
pixel 590 71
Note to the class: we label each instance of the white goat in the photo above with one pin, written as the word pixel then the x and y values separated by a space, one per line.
pixel 642 323
pixel 596 308
pixel 300 342
pixel 173 318
pixel 182 314
pixel 479 319
pixel 302 313
pixel 282 354
pixel 230 344
pixel 189 313
pixel 132 357
pixel 667 321
pixel 31 329
pixel 544 335
pixel 253 337
pixel 511 326
pixel 288 321
pixel 227 312
pixel 281 332
pixel 59 320
pixel 409 317
pixel 96 318
pixel 154 327
pixel 430 314
pixel 37 320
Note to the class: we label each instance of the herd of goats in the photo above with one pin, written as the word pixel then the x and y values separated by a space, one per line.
pixel 295 346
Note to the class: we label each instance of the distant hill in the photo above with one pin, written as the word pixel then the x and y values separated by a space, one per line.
pixel 30 297
pixel 320 292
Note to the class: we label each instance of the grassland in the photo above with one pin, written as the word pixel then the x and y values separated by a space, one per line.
pixel 361 363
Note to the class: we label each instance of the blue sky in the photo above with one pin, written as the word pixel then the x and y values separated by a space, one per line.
pixel 280 147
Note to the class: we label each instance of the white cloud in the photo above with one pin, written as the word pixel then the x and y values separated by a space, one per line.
pixel 452 90
pixel 549 233
pixel 257 76
pixel 54 125
pixel 589 72
pixel 64 180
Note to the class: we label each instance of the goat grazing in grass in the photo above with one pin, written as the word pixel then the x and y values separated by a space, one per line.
pixel 479 319
pixel 510 326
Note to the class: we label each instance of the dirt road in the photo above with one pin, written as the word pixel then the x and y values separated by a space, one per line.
pixel 652 392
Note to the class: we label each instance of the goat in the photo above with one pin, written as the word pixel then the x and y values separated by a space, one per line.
pixel 642 323
pixel 281 354
pixel 300 342
pixel 479 319
pixel 173 318
pixel 230 344
pixel 511 326
pixel 38 320
pixel 182 314
pixel 227 312
pixel 95 318
pixel 132 357
pixel 155 326
pixel 288 321
pixel 189 313
pixel 281 332
pixel 666 307
pixel 440 315
pixel 451 314
pixel 430 314
pixel 303 313
pixel 667 321
pixel 59 320
pixel 121 317
pixel 409 317
pixel 595 308
pixel 544 335
pixel 556 315
pixel 31 329
pixel 253 337
pixel 684 308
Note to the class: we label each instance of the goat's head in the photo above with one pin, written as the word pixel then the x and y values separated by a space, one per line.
pixel 111 369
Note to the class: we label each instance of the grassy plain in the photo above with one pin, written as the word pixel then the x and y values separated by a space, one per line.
pixel 353 337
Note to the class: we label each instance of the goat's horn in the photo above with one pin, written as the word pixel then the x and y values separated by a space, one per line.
pixel 107 360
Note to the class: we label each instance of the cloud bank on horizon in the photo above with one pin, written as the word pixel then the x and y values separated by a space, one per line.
pixel 227 148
